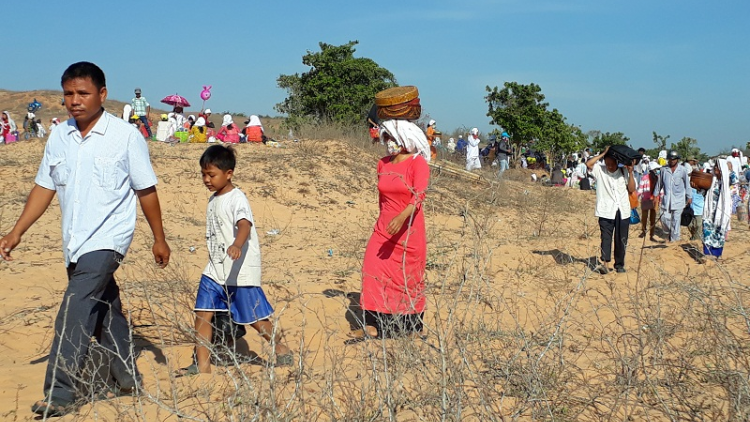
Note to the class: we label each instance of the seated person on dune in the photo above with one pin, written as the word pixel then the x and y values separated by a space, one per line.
pixel 254 130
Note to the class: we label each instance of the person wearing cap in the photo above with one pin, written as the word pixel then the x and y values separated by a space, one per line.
pixel 690 164
pixel 502 152
pixel 142 109
pixel 675 193
pixel 613 185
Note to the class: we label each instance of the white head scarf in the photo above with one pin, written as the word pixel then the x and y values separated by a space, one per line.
pixel 192 117
pixel 200 122
pixel 719 213
pixel 227 120
pixel 11 122
pixel 408 135
pixel 451 141
pixel 207 111
pixel 432 123
pixel 475 132
pixel 254 121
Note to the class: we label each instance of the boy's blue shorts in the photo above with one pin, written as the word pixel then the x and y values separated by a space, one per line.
pixel 246 304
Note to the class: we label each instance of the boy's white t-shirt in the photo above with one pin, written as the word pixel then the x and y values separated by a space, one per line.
pixel 222 214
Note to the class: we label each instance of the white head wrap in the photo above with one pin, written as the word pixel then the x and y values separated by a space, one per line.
pixel 227 120
pixel 192 117
pixel 254 121
pixel 200 122
pixel 719 214
pixel 432 123
pixel 408 135
pixel 663 154
pixel 653 165
pixel 475 132
pixel 11 123
pixel 207 111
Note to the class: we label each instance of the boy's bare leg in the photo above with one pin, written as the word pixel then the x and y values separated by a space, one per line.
pixel 203 332
pixel 265 329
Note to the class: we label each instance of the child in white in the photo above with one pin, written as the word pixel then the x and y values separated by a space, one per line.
pixel 231 280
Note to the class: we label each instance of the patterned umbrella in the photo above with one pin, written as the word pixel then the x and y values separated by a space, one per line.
pixel 175 100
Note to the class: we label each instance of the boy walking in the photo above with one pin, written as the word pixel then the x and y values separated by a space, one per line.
pixel 231 280
pixel 97 165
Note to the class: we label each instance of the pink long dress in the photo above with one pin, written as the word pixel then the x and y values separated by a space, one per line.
pixel 393 271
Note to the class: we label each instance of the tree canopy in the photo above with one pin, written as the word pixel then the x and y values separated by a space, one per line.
pixel 601 140
pixel 338 88
pixel 520 109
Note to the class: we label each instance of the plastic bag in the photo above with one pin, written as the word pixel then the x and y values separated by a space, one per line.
pixel 687 216
pixel 635 218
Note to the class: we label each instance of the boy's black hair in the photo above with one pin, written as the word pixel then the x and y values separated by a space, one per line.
pixel 224 158
pixel 83 70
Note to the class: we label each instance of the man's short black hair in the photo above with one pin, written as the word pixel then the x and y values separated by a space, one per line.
pixel 83 70
pixel 641 149
pixel 223 158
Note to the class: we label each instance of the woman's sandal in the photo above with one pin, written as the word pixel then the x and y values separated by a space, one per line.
pixel 187 372
pixel 52 408
pixel 361 335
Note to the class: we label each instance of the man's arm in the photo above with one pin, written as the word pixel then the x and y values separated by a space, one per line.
pixel 631 179
pixel 38 202
pixel 593 160
pixel 688 190
pixel 152 211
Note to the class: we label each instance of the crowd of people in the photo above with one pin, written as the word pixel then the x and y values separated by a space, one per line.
pixel 177 128
pixel 665 191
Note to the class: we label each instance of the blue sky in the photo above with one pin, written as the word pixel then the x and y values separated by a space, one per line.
pixel 679 68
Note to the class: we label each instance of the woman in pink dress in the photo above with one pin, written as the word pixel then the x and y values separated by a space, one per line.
pixel 393 272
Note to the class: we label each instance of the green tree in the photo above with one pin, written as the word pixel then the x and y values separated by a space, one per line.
pixel 688 147
pixel 603 139
pixel 338 88
pixel 518 108
pixel 558 137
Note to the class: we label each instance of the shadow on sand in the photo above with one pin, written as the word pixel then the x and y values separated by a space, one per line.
pixel 563 258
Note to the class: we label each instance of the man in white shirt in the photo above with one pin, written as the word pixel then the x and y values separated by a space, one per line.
pixel 613 184
pixel 97 165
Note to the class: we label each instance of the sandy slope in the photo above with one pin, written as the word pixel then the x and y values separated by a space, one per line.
pixel 524 247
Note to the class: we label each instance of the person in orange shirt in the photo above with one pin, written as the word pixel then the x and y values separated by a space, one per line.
pixel 431 138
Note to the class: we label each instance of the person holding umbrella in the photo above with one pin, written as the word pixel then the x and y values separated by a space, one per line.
pixel 178 102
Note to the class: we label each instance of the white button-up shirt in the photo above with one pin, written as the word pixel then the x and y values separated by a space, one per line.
pixel 95 178
pixel 611 192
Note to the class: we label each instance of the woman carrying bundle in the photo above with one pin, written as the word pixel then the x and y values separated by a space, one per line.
pixel 393 272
